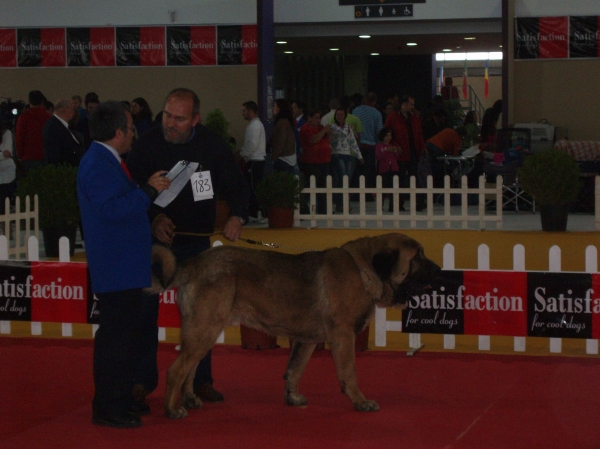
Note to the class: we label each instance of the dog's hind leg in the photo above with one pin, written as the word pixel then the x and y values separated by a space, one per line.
pixel 342 349
pixel 195 343
pixel 299 356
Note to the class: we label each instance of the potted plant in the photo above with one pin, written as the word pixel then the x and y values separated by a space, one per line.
pixel 56 188
pixel 279 195
pixel 552 179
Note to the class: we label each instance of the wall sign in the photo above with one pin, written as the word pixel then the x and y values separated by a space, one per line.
pixel 379 11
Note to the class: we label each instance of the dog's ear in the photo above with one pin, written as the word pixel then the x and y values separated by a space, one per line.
pixel 383 263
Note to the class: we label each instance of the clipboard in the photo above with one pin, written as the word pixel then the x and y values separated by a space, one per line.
pixel 176 170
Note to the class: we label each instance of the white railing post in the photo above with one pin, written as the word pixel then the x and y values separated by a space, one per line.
pixel 519 343
pixel 483 264
pixel 591 266
pixel 448 264
pixel 554 266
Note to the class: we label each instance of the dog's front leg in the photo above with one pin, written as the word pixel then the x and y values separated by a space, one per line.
pixel 342 349
pixel 299 355
pixel 188 398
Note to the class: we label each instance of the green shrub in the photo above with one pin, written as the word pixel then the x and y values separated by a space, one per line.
pixel 279 190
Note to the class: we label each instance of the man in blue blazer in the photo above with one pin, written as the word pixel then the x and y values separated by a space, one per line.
pixel 118 248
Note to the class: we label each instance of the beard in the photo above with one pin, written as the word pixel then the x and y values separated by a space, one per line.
pixel 172 135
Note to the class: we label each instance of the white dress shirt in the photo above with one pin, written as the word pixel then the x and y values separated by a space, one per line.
pixel 255 142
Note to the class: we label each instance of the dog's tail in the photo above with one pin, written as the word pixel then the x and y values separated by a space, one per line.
pixel 164 268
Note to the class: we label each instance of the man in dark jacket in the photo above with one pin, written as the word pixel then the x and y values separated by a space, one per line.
pixel 181 137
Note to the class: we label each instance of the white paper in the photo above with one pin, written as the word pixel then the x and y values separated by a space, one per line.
pixel 166 196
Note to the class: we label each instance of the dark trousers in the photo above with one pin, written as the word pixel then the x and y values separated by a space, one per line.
pixel 146 371
pixel 254 173
pixel 115 346
pixel 279 165
pixel 368 169
pixel 408 169
pixel 320 172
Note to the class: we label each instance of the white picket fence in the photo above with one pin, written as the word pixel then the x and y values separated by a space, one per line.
pixel 382 325
pixel 431 216
pixel 17 226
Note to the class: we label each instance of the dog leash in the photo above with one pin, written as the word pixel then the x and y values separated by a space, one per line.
pixel 250 241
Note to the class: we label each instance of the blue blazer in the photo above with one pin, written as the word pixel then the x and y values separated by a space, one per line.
pixel 118 239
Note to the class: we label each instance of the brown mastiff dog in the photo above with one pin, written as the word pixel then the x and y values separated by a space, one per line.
pixel 310 297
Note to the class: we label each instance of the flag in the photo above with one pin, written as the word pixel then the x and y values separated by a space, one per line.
pixel 465 90
pixel 486 81
pixel 441 76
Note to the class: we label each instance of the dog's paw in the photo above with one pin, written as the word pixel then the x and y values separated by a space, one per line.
pixel 190 400
pixel 178 413
pixel 295 399
pixel 366 406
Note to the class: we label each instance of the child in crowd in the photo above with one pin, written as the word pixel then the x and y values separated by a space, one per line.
pixel 387 157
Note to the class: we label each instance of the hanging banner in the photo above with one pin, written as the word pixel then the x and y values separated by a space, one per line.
pixel 168 311
pixel 541 38
pixel 43 47
pixel 534 304
pixel 140 46
pixel 93 47
pixel 191 45
pixel 584 37
pixel 8 47
pixel 249 44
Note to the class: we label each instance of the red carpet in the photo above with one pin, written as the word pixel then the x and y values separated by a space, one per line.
pixel 431 400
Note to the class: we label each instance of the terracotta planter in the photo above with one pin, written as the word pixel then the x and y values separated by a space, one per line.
pixel 280 217
pixel 254 339
pixel 554 218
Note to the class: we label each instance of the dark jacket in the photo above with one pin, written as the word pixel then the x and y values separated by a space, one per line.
pixel 152 153
pixel 60 145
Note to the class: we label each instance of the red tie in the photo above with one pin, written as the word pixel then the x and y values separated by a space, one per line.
pixel 125 169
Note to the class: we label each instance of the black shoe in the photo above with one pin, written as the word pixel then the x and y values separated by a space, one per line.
pixel 121 421
pixel 207 393
pixel 139 409
pixel 139 393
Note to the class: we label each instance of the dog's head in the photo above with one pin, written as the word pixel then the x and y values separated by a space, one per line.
pixel 400 262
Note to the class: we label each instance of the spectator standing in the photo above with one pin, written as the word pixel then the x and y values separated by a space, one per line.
pixel 316 154
pixel 29 132
pixel 299 121
pixel 253 153
pixel 182 137
pixel 283 139
pixel 60 144
pixel 449 91
pixel 8 167
pixel 118 248
pixel 371 121
pixel 344 152
pixel 407 136
pixel 387 157
pixel 142 115
pixel 327 118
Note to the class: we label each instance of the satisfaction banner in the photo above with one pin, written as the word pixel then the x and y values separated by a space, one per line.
pixel 156 46
pixel 537 304
pixel 557 37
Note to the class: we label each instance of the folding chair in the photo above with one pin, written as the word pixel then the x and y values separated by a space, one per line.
pixel 512 193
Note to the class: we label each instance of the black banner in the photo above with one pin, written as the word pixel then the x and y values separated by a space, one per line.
pixel 28 47
pixel 584 38
pixel 128 46
pixel 557 305
pixel 526 38
pixel 229 45
pixel 78 47
pixel 15 302
pixel 178 45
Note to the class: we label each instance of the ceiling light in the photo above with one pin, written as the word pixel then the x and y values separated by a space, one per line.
pixel 469 38
pixel 281 42
pixel 374 54
pixel 364 36
pixel 412 44
pixel 288 52
pixel 447 49
pixel 334 49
